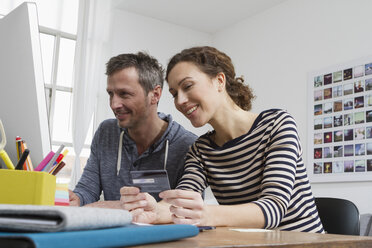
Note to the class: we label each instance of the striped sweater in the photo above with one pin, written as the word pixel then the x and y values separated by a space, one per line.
pixel 264 167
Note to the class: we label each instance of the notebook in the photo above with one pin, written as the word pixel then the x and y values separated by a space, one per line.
pixel 61 196
pixel 108 237
pixel 35 218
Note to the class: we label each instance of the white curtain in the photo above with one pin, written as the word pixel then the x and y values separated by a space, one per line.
pixel 91 53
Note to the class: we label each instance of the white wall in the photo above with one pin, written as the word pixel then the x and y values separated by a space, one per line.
pixel 132 33
pixel 276 49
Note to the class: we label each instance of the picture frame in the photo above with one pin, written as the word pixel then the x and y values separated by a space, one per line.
pixel 339 146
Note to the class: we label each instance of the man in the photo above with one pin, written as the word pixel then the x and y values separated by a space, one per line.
pixel 137 139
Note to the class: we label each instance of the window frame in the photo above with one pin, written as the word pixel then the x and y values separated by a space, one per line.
pixel 52 86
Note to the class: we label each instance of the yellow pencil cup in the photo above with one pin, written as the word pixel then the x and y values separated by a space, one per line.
pixel 27 187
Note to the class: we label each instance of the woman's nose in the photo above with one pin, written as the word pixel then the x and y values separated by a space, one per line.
pixel 181 98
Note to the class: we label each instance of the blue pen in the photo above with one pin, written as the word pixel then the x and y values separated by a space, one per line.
pixel 204 228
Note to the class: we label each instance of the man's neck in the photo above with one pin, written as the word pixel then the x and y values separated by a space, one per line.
pixel 148 134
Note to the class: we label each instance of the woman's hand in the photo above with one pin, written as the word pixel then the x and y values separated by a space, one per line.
pixel 187 207
pixel 142 206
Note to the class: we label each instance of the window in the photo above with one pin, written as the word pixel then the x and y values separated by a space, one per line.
pixel 58 28
pixel 58 50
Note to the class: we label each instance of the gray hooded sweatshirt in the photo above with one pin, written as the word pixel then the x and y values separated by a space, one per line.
pixel 103 172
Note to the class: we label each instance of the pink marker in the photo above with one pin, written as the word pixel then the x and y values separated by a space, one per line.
pixel 45 161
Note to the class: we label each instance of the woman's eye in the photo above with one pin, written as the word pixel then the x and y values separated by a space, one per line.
pixel 187 86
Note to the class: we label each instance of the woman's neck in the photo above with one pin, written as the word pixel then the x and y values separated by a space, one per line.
pixel 231 122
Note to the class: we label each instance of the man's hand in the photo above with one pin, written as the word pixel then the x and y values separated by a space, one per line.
pixel 142 205
pixel 105 204
pixel 74 199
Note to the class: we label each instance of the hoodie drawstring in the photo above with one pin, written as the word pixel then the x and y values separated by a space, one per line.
pixel 166 154
pixel 118 165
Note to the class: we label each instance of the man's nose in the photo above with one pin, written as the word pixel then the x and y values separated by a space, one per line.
pixel 115 102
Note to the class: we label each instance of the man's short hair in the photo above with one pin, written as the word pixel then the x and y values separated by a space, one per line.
pixel 150 72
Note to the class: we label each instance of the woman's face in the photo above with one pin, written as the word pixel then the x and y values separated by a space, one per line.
pixel 195 94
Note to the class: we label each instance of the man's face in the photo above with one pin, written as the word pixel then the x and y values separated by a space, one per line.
pixel 127 98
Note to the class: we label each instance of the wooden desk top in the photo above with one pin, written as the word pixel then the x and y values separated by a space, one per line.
pixel 225 237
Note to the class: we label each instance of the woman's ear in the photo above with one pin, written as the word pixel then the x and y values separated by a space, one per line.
pixel 221 81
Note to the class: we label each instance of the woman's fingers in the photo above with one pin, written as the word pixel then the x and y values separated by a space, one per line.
pixel 179 193
pixel 187 207
pixel 186 203
pixel 186 212
pixel 182 220
pixel 183 198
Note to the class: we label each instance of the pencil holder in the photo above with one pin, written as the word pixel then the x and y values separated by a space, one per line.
pixel 27 187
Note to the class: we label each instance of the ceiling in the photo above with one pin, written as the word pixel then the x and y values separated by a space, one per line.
pixel 207 16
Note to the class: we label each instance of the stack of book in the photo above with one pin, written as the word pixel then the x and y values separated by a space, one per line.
pixel 57 226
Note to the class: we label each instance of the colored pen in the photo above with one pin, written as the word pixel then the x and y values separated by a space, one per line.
pixel 59 159
pixel 204 228
pixel 22 160
pixel 54 158
pixel 22 149
pixel 59 167
pixel 30 167
pixel 18 146
pixel 45 161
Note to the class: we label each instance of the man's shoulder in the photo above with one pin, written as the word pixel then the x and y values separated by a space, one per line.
pixel 108 126
pixel 176 130
pixel 109 123
pixel 180 132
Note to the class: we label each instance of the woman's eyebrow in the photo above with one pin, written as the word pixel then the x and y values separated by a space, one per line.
pixel 180 82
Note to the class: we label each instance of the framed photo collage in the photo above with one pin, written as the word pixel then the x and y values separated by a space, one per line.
pixel 340 127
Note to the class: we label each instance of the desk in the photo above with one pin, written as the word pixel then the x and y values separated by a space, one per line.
pixel 224 237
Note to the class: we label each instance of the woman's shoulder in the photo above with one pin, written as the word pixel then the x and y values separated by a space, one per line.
pixel 204 140
pixel 272 115
pixel 206 137
pixel 271 118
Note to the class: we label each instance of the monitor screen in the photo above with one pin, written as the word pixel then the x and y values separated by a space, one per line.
pixel 23 108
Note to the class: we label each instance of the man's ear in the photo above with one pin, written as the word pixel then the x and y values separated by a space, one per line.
pixel 156 94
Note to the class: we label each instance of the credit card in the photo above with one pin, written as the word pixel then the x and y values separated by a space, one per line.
pixel 152 181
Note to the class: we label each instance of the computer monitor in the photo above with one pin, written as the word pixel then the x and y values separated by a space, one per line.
pixel 23 108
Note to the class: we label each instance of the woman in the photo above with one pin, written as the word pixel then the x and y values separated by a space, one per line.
pixel 252 162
